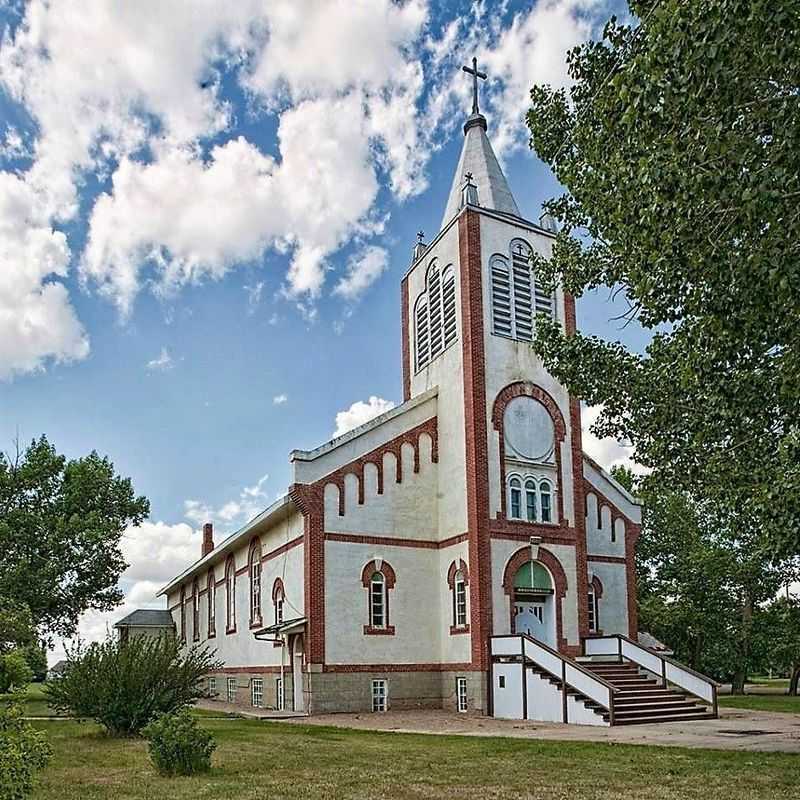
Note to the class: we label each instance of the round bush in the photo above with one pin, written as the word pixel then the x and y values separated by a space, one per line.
pixel 178 746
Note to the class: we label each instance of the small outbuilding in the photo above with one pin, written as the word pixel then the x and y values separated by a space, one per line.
pixel 145 622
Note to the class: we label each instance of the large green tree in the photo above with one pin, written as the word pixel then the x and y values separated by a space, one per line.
pixel 679 147
pixel 61 522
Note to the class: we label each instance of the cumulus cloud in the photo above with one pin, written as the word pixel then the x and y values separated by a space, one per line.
pixel 363 269
pixel 279 399
pixel 252 500
pixel 607 452
pixel 359 413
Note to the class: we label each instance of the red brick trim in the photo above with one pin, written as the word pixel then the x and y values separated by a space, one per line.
pixel 608 559
pixel 387 631
pixel 230 574
pixel 371 568
pixel 267 669
pixel 416 667
pixel 394 541
pixel 476 435
pixel 242 570
pixel 579 504
pixel 518 530
pixel 455 566
pixel 504 397
pixel 455 631
pixel 597 585
pixel 405 342
pixel 545 557
pixel 284 548
pixel 277 586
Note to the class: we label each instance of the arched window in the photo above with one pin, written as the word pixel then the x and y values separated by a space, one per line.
pixel 230 595
pixel 278 599
pixel 378 578
pixel 422 330
pixel 545 501
pixel 377 600
pixel 183 614
pixel 255 582
pixel 515 497
pixel 530 500
pixel 459 600
pixel 435 327
pixel 211 599
pixel 195 611
pixel 501 297
pixel 516 296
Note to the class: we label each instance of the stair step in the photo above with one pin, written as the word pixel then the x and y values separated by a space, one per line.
pixel 662 718
pixel 637 713
pixel 666 705
pixel 655 697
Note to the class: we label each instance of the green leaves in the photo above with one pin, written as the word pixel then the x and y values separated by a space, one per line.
pixel 60 527
pixel 679 147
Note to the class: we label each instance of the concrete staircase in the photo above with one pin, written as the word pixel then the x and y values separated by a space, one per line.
pixel 640 698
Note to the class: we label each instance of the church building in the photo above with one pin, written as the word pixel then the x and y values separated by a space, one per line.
pixel 431 556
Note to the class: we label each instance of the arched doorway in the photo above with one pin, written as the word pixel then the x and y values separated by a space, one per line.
pixel 297 673
pixel 533 599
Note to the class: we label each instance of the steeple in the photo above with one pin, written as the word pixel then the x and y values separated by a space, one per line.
pixel 478 159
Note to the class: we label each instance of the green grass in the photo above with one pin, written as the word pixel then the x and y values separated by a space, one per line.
pixel 257 760
pixel 762 702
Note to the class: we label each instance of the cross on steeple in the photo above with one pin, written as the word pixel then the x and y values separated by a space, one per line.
pixel 475 75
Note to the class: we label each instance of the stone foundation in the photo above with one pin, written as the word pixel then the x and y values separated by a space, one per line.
pixel 244 688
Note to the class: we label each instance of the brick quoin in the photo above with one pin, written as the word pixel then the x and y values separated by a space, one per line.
pixel 475 424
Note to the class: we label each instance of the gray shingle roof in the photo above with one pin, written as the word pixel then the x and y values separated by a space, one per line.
pixel 146 617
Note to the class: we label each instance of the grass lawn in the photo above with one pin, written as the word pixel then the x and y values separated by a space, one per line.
pixel 762 702
pixel 257 760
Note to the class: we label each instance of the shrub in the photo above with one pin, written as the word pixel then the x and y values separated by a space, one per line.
pixel 125 685
pixel 178 746
pixel 23 752
pixel 14 671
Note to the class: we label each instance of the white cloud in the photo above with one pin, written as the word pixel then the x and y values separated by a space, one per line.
pixel 254 296
pixel 252 500
pixel 607 452
pixel 363 269
pixel 279 399
pixel 163 363
pixel 37 320
pixel 359 413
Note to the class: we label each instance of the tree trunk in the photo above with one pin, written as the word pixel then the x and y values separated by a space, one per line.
pixel 794 680
pixel 740 674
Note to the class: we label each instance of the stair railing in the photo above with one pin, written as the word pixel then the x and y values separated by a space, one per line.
pixel 571 674
pixel 670 671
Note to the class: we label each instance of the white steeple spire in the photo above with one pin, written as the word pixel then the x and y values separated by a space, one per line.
pixel 478 158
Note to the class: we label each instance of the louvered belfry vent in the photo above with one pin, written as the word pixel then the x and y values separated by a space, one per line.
pixel 435 321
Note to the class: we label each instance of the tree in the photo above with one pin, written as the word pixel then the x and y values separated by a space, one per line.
pixel 124 685
pixel 780 638
pixel 60 528
pixel 24 751
pixel 679 147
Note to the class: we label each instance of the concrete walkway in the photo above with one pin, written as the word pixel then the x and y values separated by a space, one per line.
pixel 736 729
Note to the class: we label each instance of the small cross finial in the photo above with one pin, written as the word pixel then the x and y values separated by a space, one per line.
pixel 468 177
pixel 420 236
pixel 475 75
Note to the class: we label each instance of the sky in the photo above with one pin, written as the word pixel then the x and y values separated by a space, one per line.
pixel 205 212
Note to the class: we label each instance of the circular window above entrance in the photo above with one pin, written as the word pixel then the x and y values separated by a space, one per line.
pixel 529 431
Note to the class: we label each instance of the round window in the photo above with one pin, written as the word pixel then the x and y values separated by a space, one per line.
pixel 529 430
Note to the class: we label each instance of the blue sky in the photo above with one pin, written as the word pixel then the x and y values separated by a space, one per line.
pixel 205 215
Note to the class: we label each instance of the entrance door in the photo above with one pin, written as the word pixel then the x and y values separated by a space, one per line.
pixel 297 673
pixel 531 618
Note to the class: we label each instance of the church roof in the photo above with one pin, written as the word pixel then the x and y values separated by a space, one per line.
pixel 478 158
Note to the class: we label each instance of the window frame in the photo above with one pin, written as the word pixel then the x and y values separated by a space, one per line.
pixel 230 595
pixel 257 689
pixel 435 315
pixel 280 696
pixel 255 573
pixel 211 601
pixel 195 610
pixel 377 579
pixel 183 614
pixel 515 497
pixel 460 613
pixel 380 695
pixel 522 491
pixel 546 490
pixel 462 697
pixel 212 686
pixel 231 689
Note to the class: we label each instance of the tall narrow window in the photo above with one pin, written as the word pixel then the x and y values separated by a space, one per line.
pixel 546 501
pixel 195 611
pixel 501 297
pixel 377 600
pixel 279 697
pixel 257 692
pixel 422 332
pixel 211 599
pixel 230 596
pixel 459 600
pixel 515 497
pixel 278 599
pixel 461 695
pixel 523 297
pixel 183 614
pixel 255 582
pixel 435 306
pixel 592 609
pixel 379 695
pixel 231 690
pixel 449 306
pixel 530 500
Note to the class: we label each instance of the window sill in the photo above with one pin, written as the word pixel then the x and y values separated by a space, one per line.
pixel 228 631
pixel 520 521
pixel 255 624
pixel 387 631
pixel 212 635
pixel 457 629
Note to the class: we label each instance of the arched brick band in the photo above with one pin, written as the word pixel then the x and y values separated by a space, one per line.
pixel 505 396
pixel 455 567
pixel 553 565
pixel 276 588
pixel 597 586
pixel 371 568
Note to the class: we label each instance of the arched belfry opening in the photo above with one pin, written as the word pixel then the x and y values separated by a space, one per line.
pixel 534 603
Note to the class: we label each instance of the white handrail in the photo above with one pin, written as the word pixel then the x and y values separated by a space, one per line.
pixel 570 673
pixel 688 679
